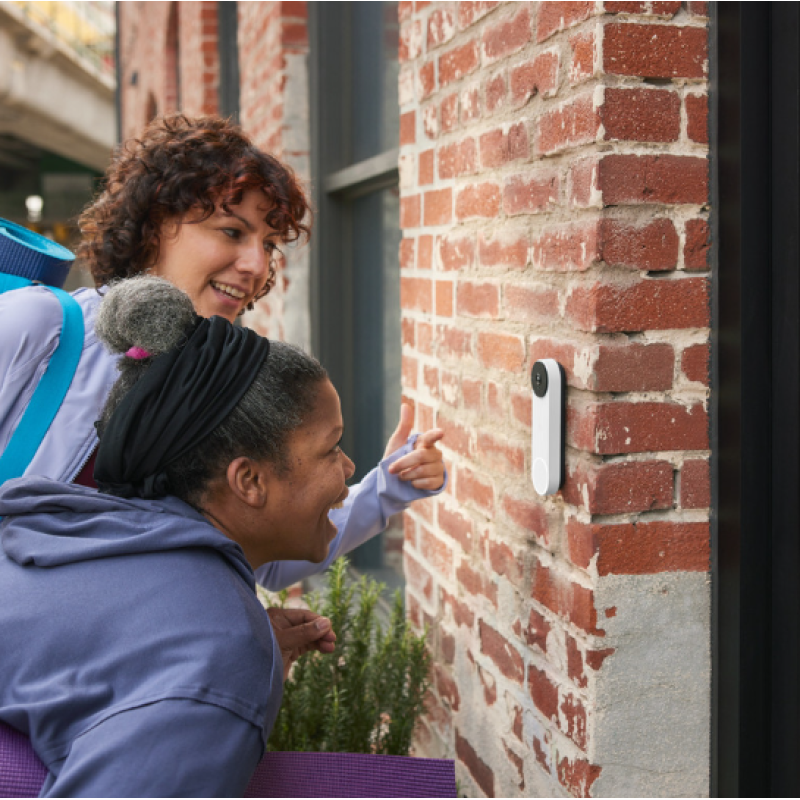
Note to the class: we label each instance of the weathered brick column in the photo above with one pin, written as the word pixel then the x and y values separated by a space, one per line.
pixel 555 190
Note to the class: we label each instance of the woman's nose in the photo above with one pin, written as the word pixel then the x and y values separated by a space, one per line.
pixel 254 260
pixel 349 466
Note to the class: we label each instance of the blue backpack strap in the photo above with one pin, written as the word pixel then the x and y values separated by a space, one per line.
pixel 50 392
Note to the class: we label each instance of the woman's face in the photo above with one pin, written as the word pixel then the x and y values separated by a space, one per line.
pixel 222 262
pixel 296 519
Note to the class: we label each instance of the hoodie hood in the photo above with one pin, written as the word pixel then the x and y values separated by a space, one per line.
pixel 49 524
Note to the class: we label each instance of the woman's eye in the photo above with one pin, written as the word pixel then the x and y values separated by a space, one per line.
pixel 232 233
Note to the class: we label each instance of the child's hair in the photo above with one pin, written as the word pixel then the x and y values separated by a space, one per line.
pixel 178 164
pixel 154 315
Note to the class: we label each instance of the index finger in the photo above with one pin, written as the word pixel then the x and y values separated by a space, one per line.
pixel 429 438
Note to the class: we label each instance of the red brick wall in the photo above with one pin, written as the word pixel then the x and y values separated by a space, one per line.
pixel 146 66
pixel 554 204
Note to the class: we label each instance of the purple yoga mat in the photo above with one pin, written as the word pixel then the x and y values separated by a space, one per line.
pixel 278 774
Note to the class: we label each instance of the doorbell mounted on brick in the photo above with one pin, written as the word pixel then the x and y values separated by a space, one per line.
pixel 547 426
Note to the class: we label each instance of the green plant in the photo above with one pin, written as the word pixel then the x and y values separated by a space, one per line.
pixel 368 695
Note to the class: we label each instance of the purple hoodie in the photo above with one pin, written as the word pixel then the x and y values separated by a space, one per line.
pixel 135 654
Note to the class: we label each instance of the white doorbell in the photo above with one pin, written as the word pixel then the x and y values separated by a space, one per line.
pixel 547 426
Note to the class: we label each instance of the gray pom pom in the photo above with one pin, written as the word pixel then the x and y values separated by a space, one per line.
pixel 145 312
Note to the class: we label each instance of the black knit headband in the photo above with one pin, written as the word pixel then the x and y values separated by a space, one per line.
pixel 182 397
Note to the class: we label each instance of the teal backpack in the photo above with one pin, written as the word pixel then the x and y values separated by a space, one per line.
pixel 26 258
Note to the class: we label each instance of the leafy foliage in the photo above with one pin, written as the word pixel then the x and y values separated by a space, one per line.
pixel 368 695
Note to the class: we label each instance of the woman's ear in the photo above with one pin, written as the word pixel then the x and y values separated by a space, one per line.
pixel 249 481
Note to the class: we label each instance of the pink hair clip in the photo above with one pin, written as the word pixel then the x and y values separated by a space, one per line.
pixel 137 353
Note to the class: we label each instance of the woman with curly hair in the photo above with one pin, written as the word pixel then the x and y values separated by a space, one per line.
pixel 193 201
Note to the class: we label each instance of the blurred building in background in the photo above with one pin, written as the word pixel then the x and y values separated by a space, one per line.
pixel 57 110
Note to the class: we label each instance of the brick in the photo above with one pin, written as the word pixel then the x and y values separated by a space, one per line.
pixel 453 342
pixel 480 771
pixel 543 692
pixel 612 7
pixel 425 252
pixel 573 716
pixel 507 249
pixel 410 531
pixel 471 12
pixel 647 305
pixel 501 455
pixel 444 298
pixel 407 251
pixel 575 123
pixel 457 438
pixel 411 41
pixel 655 51
pixel 641 115
pixel 506 37
pixel 450 392
pixel 538 76
pixel 620 488
pixel 448 648
pixel 462 615
pixel 470 105
pixel 448 111
pixel 424 336
pixel 695 361
pixel 430 120
pixel 431 380
pixel 528 515
pixel 578 776
pixel 505 561
pixel 410 370
pixel 427 79
pixel 531 303
pixel 667 9
pixel 695 483
pixel 501 351
pixel 698 244
pixel 478 200
pixel 652 247
pixel 530 194
pixel 471 391
pixel 499 147
pixel 502 653
pixel 456 252
pixel 575 669
pixel 418 577
pixel 536 631
pixel 457 159
pixel 612 428
pixel 458 62
pixel 556 16
pixel 584 54
pixel 476 583
pixel 495 91
pixel 294 34
pixel 698 9
pixel 410 208
pixel 416 294
pixel 472 489
pixel 457 527
pixel 441 28
pixel 446 687
pixel 569 248
pixel 566 599
pixel 438 207
pixel 632 368
pixel 521 407
pixel 697 118
pixel 438 553
pixel 408 332
pixel 595 658
pixel 405 10
pixel 651 548
pixel 478 300
pixel 669 179
pixel 584 191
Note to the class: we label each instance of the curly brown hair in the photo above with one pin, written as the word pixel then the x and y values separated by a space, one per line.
pixel 182 163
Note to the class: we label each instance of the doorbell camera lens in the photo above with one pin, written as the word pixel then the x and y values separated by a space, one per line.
pixel 539 379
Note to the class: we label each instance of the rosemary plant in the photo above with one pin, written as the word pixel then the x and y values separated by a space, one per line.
pixel 368 696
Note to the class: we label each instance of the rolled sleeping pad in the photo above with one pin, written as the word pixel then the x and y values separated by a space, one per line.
pixel 31 256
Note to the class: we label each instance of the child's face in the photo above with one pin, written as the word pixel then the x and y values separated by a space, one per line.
pixel 296 525
pixel 222 262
